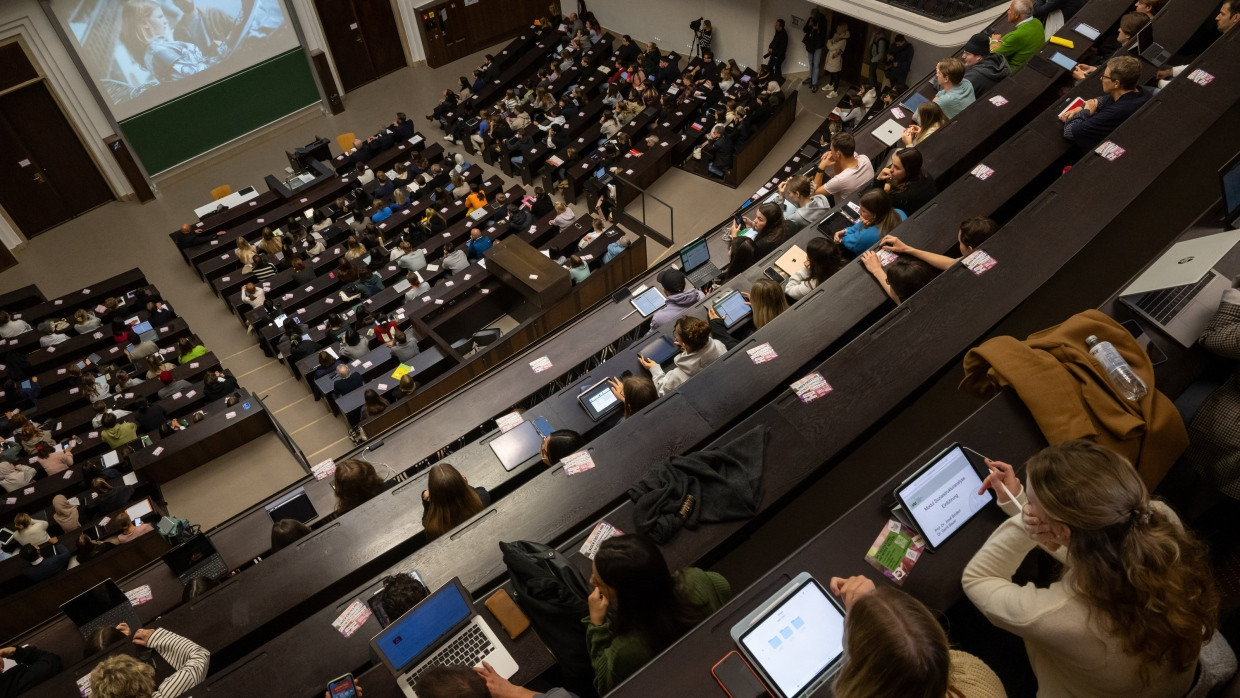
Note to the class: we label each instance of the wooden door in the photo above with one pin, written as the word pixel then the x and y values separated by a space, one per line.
pixel 382 39
pixel 46 176
pixel 346 41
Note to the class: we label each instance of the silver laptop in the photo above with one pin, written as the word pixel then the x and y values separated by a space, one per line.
pixel 1180 291
pixel 442 630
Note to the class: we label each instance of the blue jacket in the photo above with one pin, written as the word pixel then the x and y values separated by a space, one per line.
pixel 1088 130
pixel 858 237
pixel 478 247
pixel 612 250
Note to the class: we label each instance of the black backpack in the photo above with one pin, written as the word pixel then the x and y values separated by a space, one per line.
pixel 555 597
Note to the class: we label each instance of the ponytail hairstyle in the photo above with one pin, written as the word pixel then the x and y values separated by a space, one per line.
pixel 1148 578
pixel 893 646
pixel 878 203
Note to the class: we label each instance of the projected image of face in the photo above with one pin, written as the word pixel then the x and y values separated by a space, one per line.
pixel 143 53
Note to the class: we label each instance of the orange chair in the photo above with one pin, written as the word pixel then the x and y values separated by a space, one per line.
pixel 221 191
pixel 345 141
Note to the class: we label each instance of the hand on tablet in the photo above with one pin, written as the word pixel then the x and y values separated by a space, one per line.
pixel 646 363
pixel 710 312
pixel 851 589
pixel 617 387
pixel 1001 475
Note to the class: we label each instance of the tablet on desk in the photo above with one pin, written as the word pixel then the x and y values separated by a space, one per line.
pixel 517 445
pixel 1063 61
pixel 648 301
pixel 658 350
pixel 942 495
pixel 598 401
pixel 732 308
pixel 795 639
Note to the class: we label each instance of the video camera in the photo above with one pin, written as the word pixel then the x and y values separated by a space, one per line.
pixel 696 25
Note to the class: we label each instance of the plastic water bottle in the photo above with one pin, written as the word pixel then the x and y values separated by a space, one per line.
pixel 1126 382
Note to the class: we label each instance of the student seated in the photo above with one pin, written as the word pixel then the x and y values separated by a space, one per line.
pixel 928 119
pixel 1136 600
pixel 355 482
pixel 51 461
pixel 188 350
pixel 42 567
pixel 150 415
pixel 578 270
pixel 635 392
pixel 822 259
pixel 401 592
pixel 478 244
pixel 680 297
pixel 454 260
pixel 16 476
pixel 638 607
pixel 197 587
pixel 373 403
pixel 698 349
pixel 217 384
pixel 802 207
pixel 65 514
pixel 108 498
pixel 126 530
pixel 30 531
pixel 894 646
pixel 876 218
pixel 901 278
pixel 766 300
pixel 560 443
pixel 85 322
pixel 1019 45
pixel 1089 125
pixel 983 69
pixel 448 500
pixel 347 380
pixel 404 346
pixel 32 666
pixel 88 548
pixel 904 181
pixel 973 232
pixel 117 433
pixel 285 532
pixel 124 676
pixel 955 93
pixel 850 172
pixel 475 682
pixel 10 327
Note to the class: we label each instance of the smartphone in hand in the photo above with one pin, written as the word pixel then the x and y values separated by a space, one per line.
pixel 343 687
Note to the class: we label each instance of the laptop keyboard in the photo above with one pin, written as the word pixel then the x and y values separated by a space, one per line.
pixel 111 619
pixel 467 650
pixel 213 568
pixel 703 275
pixel 1165 304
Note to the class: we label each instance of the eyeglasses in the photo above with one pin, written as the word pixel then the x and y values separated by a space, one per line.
pixel 1107 77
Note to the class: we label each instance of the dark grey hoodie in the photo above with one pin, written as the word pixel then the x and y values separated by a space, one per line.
pixel 987 73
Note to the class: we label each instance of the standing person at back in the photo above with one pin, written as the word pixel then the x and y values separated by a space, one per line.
pixel 777 51
pixel 1019 45
pixel 835 58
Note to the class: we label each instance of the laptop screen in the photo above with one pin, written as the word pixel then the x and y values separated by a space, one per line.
pixel 139 510
pixel 1145 38
pixel 142 327
pixel 694 255
pixel 94 602
pixel 295 505
pixel 799 639
pixel 423 627
pixel 182 558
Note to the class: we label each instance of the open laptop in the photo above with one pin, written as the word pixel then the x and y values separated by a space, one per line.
pixel 914 101
pixel 1150 50
pixel 788 264
pixel 142 512
pixel 795 639
pixel 1180 291
pixel 294 505
pixel 102 606
pixel 145 332
pixel 517 445
pixel 442 630
pixel 195 557
pixel 695 263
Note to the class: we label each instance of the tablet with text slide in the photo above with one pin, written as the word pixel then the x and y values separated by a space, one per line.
pixel 795 639
pixel 649 301
pixel 598 401
pixel 942 495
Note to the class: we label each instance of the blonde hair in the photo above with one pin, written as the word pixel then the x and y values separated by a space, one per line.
pixel 767 300
pixel 135 27
pixel 21 521
pixel 893 646
pixel 1147 577
pixel 122 676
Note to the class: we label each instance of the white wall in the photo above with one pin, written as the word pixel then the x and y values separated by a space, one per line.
pixel 26 20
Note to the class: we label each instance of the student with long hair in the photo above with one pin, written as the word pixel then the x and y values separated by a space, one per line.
pixel 876 218
pixel 639 607
pixel 822 259
pixel 355 482
pixel 905 182
pixel 635 392
pixel 448 500
pixel 902 277
pixel 894 646
pixel 742 253
pixel 1136 600
pixel 766 228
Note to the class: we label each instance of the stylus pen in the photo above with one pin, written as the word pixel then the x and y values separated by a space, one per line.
pixel 629 315
pixel 1011 497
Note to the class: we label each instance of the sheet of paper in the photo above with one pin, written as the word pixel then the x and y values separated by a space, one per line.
pixel 540 364
pixel 130 478
pixel 324 470
pixel 353 618
pixel 811 387
pixel 762 353
pixel 578 462
pixel 509 421
pixel 139 596
pixel 602 531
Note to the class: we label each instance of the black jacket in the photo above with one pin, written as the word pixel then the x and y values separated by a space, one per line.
pixel 34 666
pixel 779 43
pixel 213 390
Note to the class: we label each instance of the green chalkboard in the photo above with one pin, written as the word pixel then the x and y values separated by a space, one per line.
pixel 210 116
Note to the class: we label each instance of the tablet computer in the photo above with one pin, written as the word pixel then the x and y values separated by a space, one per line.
pixel 795 639
pixel 1063 61
pixel 648 301
pixel 915 101
pixel 517 445
pixel 658 350
pixel 942 495
pixel 598 401
pixel 732 308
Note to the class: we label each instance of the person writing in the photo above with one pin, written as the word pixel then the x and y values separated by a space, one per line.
pixel 876 218
pixel 1136 600
pixel 894 646
pixel 638 607
pixel 698 349
pixel 448 500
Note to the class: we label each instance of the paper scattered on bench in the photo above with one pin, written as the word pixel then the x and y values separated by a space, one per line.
pixel 602 531
pixel 762 353
pixel 811 387
pixel 509 421
pixel 578 462
pixel 324 470
pixel 353 618
pixel 139 596
pixel 540 364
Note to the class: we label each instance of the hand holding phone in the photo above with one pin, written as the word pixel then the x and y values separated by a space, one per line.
pixel 343 687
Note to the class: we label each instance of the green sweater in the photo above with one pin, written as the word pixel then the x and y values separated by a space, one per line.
pixel 120 434
pixel 1021 43
pixel 616 657
pixel 194 353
